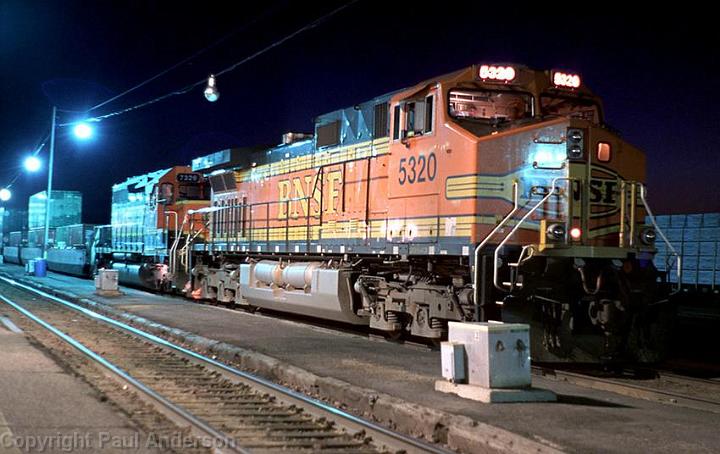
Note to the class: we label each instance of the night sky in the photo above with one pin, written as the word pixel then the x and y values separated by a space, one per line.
pixel 656 70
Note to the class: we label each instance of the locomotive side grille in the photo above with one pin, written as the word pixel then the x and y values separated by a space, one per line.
pixel 328 134
pixel 381 128
pixel 217 183
pixel 229 179
pixel 223 182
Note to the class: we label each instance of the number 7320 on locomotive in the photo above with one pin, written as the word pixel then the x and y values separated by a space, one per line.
pixel 495 192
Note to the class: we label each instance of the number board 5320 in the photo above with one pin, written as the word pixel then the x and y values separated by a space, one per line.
pixel 417 169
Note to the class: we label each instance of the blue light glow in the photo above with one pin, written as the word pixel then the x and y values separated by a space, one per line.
pixel 83 131
pixel 32 164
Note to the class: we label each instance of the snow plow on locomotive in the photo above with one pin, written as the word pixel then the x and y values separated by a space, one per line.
pixel 492 193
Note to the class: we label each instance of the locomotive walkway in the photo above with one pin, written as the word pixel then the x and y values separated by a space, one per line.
pixel 395 383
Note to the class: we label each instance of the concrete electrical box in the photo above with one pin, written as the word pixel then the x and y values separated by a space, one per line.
pixel 106 282
pixel 498 353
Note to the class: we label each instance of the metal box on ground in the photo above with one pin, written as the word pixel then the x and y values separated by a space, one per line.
pixel 498 353
pixel 106 282
pixel 453 361
pixel 489 362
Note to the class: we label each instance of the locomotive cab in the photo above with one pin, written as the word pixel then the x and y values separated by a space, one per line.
pixel 545 200
pixel 147 224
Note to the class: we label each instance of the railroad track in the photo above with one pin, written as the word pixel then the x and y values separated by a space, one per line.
pixel 663 387
pixel 234 410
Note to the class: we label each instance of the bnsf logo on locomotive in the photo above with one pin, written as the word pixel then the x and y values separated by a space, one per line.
pixel 298 192
pixel 603 192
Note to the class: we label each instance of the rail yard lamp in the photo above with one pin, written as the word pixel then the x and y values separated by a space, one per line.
pixel 32 163
pixel 211 92
pixel 82 131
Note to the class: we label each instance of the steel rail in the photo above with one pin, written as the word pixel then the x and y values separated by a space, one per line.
pixel 629 389
pixel 388 436
pixel 220 438
pixel 677 377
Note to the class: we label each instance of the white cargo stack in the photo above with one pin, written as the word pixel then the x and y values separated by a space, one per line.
pixel 106 283
pixel 489 362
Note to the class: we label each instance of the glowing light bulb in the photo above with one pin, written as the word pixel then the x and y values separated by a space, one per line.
pixel 211 92
pixel 83 131
pixel 32 164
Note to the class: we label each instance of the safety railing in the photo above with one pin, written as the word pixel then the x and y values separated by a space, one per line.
pixel 266 222
pixel 551 191
pixel 478 271
pixel 628 221
pixel 172 255
pixel 674 253
pixel 625 207
pixel 502 223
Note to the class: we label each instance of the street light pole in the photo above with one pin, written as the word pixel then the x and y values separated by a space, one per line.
pixel 48 193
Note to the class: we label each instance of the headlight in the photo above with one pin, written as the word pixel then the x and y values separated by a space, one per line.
pixel 648 236
pixel 556 232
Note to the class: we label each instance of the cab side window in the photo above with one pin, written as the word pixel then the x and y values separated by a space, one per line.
pixel 396 122
pixel 167 193
pixel 419 116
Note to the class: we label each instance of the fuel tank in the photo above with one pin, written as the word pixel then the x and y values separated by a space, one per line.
pixel 306 288
pixel 144 275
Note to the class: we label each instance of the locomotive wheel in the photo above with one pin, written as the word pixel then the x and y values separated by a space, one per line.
pixel 651 332
pixel 394 336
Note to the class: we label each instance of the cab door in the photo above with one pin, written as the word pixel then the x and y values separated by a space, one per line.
pixel 413 183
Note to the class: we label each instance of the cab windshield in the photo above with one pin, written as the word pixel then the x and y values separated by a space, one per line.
pixel 489 106
pixel 568 106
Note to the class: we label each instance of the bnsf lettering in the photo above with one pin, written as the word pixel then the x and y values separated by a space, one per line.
pixel 602 192
pixel 298 192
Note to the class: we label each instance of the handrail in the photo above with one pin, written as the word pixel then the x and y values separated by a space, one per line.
pixel 517 226
pixel 188 242
pixel 502 223
pixel 167 227
pixel 173 248
pixel 167 219
pixel 478 248
pixel 678 257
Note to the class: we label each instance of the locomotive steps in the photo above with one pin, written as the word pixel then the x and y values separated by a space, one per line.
pixel 457 432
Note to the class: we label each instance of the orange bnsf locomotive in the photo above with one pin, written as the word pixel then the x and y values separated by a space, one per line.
pixel 145 230
pixel 492 193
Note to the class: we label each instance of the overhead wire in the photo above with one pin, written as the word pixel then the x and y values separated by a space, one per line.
pixel 146 81
pixel 191 86
pixel 232 67
pixel 227 36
